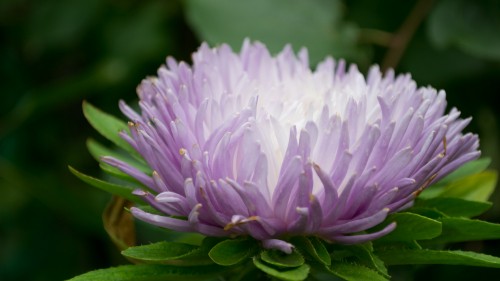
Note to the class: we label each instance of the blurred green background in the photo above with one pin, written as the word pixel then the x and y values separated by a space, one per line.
pixel 54 54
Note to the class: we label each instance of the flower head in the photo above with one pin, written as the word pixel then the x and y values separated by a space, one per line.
pixel 251 144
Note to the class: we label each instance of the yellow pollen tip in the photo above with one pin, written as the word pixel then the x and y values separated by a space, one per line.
pixel 182 151
pixel 228 226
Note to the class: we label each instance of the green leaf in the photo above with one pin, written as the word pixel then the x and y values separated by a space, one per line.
pixel 200 255
pixel 354 272
pixel 151 272
pixel 428 212
pixel 159 252
pixel 397 257
pixel 314 247
pixel 410 227
pixel 119 175
pixel 468 169
pixel 362 254
pixel 119 190
pixel 462 229
pixel 108 126
pixel 319 26
pixel 471 26
pixel 454 207
pixel 278 258
pixel 477 187
pixel 288 274
pixel 232 251
pixel 98 150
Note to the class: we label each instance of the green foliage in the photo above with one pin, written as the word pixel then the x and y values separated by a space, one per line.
pixel 231 252
pixel 151 272
pixel 108 126
pixel 319 27
pixel 470 26
pixel 159 252
pixel 286 273
pixel 462 229
pixel 468 169
pixel 361 254
pixel 119 190
pixel 424 256
pixel 454 207
pixel 411 227
pixel 314 248
pixel 98 150
pixel 478 187
pixel 354 272
pixel 280 259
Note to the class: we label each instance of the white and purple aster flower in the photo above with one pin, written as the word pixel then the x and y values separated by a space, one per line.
pixel 251 144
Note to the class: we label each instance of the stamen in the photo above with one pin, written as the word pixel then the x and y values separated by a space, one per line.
pixel 423 186
pixel 240 222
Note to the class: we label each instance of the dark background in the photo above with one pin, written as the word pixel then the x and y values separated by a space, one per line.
pixel 54 54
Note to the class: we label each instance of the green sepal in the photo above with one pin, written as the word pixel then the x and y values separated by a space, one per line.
pixel 424 256
pixel 314 248
pixel 152 272
pixel 109 126
pixel 354 272
pixel 119 190
pixel 280 259
pixel 233 251
pixel 463 229
pixel 453 207
pixel 161 252
pixel 285 273
pixel 410 227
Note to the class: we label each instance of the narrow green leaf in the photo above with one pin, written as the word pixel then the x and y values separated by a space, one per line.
pixel 159 252
pixel 354 272
pixel 119 190
pixel 410 227
pixel 108 126
pixel 462 229
pixel 114 172
pixel 477 187
pixel 397 257
pixel 454 207
pixel 278 258
pixel 314 247
pixel 232 251
pixel 98 150
pixel 151 272
pixel 288 274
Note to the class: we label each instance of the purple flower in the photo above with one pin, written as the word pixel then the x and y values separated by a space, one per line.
pixel 251 144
